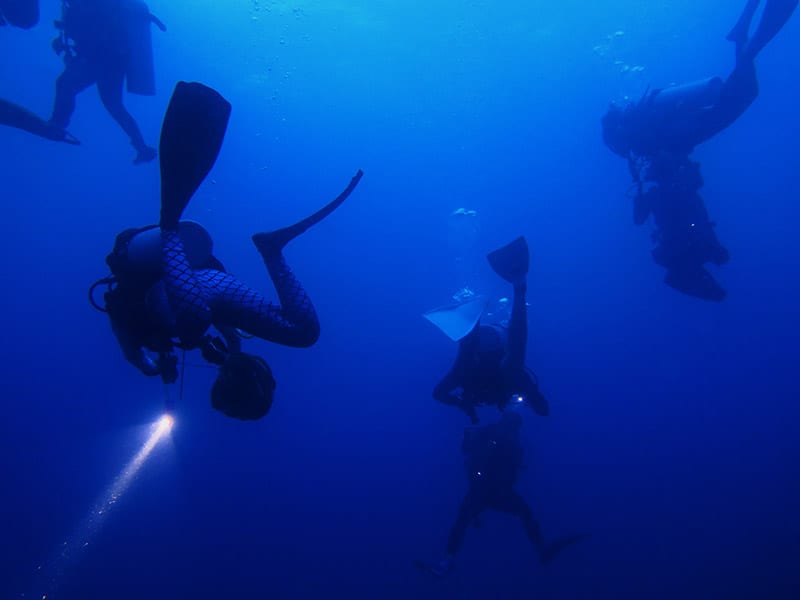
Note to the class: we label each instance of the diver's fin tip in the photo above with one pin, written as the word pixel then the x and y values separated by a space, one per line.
pixel 191 137
pixel 511 262
pixel 275 241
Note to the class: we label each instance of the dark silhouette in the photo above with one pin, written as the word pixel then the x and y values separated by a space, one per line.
pixel 25 14
pixel 167 288
pixel 490 366
pixel 493 457
pixel 19 13
pixel 105 42
pixel 657 135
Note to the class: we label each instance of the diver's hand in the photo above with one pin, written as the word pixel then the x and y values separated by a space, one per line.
pixel 147 365
pixel 168 367
pixel 58 46
pixel 469 410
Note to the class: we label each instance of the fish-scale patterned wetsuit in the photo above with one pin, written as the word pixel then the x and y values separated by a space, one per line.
pixel 198 299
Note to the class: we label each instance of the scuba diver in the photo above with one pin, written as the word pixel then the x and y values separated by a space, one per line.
pixel 25 15
pixel 493 458
pixel 490 365
pixel 167 288
pixel 656 137
pixel 105 43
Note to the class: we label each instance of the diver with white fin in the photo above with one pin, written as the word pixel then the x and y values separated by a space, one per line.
pixel 167 288
pixel 656 137
pixel 25 15
pixel 493 459
pixel 490 366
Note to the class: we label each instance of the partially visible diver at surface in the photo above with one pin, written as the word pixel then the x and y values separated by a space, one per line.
pixel 106 43
pixel 167 288
pixel 490 366
pixel 493 458
pixel 656 137
pixel 25 15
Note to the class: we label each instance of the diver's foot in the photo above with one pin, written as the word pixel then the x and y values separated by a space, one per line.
pixel 439 569
pixel 145 155
pixel 741 31
pixel 720 255
pixel 553 549
pixel 272 243
pixel 738 35
pixel 536 400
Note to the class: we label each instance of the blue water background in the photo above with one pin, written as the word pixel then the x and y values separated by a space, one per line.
pixel 673 436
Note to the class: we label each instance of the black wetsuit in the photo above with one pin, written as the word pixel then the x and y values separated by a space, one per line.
pixel 98 29
pixel 659 133
pixel 490 365
pixel 685 238
pixel 493 458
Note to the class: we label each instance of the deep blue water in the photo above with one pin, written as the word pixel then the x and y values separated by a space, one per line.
pixel 673 435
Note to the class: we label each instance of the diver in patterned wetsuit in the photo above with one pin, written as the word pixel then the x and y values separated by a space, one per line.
pixel 177 306
pixel 657 135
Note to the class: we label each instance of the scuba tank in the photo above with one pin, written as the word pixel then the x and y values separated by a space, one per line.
pixel 139 69
pixel 135 260
pixel 688 96
pixel 143 250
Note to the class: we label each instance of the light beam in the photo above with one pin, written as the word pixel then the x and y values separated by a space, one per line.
pixel 50 575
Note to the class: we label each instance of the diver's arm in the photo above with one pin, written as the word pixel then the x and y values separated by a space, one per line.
pixel 133 352
pixel 445 390
pixel 232 339
pixel 518 330
pixel 157 22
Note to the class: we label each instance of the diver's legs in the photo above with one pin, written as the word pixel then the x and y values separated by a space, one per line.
pixel 470 509
pixel 109 86
pixel 776 14
pixel 76 77
pixel 295 302
pixel 293 322
pixel 515 504
pixel 189 314
pixel 738 92
pixel 741 31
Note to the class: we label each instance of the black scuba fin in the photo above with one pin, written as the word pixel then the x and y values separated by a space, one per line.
pixel 511 262
pixel 274 241
pixel 695 281
pixel 17 116
pixel 191 137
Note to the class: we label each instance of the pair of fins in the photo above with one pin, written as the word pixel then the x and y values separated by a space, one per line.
pixel 511 262
pixel 14 115
pixel 191 137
